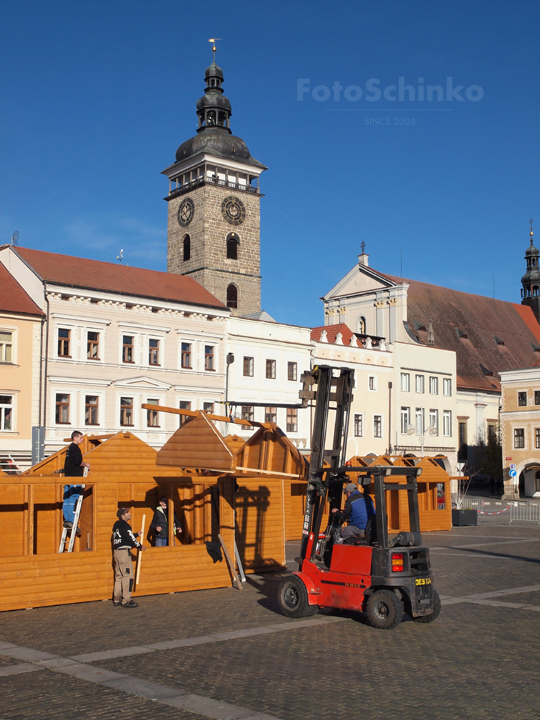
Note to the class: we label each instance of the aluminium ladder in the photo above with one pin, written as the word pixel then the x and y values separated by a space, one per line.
pixel 73 529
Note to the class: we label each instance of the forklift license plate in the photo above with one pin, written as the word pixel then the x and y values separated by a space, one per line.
pixel 422 581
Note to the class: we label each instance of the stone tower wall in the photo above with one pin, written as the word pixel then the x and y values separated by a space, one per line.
pixel 208 231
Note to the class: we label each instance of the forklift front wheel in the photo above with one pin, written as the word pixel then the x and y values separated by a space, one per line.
pixel 293 598
pixel 384 610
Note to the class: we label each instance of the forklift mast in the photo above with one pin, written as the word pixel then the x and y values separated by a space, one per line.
pixel 333 391
pixel 331 388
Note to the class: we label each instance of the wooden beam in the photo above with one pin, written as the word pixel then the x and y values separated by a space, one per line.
pixel 236 579
pixel 275 473
pixel 195 413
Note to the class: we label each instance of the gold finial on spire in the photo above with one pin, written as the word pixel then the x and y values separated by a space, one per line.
pixel 531 232
pixel 214 48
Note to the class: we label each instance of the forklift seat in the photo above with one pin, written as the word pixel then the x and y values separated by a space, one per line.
pixel 356 541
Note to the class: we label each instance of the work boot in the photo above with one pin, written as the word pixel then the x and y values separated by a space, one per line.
pixel 116 603
pixel 130 604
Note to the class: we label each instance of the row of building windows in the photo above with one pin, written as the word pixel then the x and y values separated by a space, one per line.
pixel 420 426
pixel 128 350
pixel 127 417
pixel 519 438
pixel 358 425
pixel 522 398
pixel 126 411
pixel 420 384
pixel 270 415
pixel 271 369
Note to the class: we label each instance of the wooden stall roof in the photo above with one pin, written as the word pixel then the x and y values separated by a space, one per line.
pixel 198 444
pixel 56 461
pixel 234 442
pixel 270 452
pixel 124 456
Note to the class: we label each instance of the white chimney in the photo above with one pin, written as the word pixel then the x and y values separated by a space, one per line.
pixel 363 259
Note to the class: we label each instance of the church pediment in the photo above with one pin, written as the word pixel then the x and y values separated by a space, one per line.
pixel 360 279
pixel 142 383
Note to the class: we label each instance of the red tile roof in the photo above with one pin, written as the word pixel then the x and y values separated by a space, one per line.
pixel 13 299
pixel 487 335
pixel 331 333
pixel 111 277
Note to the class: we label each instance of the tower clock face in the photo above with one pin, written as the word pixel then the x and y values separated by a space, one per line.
pixel 186 212
pixel 233 210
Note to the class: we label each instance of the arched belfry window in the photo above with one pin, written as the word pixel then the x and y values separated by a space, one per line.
pixel 187 247
pixel 232 296
pixel 233 241
pixel 361 326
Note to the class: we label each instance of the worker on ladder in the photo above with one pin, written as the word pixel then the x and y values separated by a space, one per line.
pixel 73 467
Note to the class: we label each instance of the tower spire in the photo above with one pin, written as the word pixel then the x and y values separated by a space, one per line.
pixel 530 292
pixel 214 48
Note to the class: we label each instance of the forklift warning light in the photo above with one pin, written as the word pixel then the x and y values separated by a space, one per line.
pixel 397 562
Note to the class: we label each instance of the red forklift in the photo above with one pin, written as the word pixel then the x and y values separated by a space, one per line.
pixel 381 576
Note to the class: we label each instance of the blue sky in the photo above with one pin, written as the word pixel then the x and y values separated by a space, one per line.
pixel 96 97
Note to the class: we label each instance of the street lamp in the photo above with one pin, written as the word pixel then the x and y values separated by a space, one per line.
pixel 230 360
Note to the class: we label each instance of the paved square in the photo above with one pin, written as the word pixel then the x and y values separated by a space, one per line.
pixel 230 654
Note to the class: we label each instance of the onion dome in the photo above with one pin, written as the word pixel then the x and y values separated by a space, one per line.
pixel 214 133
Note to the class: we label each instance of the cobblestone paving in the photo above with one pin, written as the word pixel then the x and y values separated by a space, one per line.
pixel 46 695
pixel 475 661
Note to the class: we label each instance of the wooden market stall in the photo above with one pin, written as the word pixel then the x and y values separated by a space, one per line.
pixel 260 470
pixel 433 497
pixel 124 473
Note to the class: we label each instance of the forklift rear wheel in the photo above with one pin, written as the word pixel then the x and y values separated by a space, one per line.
pixel 384 610
pixel 436 609
pixel 293 598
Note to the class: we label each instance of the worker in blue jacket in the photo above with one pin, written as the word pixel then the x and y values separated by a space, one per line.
pixel 357 511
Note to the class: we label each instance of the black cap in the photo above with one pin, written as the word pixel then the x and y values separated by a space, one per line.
pixel 121 512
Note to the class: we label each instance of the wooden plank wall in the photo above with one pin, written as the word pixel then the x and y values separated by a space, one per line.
pixel 260 523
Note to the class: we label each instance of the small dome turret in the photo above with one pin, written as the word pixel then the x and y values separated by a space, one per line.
pixel 214 133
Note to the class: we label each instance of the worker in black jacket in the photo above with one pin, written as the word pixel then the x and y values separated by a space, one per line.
pixel 123 540
pixel 73 467
pixel 160 523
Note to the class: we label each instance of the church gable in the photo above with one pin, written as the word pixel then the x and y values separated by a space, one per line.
pixel 359 280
